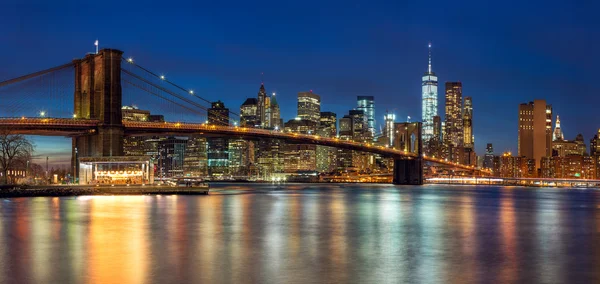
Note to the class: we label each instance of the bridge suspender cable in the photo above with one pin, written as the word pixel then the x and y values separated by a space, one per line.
pixel 35 74
pixel 171 83
pixel 162 97
pixel 166 91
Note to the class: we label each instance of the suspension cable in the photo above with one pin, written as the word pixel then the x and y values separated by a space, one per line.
pixel 171 93
pixel 35 74
pixel 171 83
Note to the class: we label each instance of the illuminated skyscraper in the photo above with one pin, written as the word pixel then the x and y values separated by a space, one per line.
pixel 388 130
pixel 429 94
pixel 309 106
pixel 326 161
pixel 275 113
pixel 261 109
pixel 367 105
pixel 468 123
pixel 469 140
pixel 454 136
pixel 218 147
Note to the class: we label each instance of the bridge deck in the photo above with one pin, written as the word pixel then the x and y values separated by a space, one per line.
pixel 74 127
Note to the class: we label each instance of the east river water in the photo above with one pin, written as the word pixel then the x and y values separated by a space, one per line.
pixel 306 233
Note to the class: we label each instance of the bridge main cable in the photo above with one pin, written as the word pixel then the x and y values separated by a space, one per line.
pixel 35 74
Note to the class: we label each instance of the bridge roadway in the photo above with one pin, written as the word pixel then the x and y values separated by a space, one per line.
pixel 76 127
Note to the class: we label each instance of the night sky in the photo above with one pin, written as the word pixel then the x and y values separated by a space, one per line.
pixel 504 53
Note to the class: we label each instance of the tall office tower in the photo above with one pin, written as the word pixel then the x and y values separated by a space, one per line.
pixel 267 123
pixel 276 122
pixel 260 106
pixel 300 157
pixel 248 113
pixel 195 162
pixel 557 134
pixel 535 131
pixel 367 105
pixel 388 130
pixel 453 138
pixel 359 126
pixel 344 156
pixel 218 148
pixel 437 127
pixel 309 106
pixel 595 145
pixel 488 160
pixel 171 153
pixel 469 139
pixel 218 114
pixel 470 158
pixel 429 93
pixel 326 161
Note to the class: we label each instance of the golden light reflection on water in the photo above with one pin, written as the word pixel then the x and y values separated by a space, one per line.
pixel 507 224
pixel 117 243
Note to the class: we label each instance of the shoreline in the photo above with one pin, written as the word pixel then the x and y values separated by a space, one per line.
pixel 78 190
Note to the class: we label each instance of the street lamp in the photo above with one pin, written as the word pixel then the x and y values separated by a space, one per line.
pixel 42 113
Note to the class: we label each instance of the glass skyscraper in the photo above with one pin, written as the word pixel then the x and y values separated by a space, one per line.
pixel 430 94
pixel 367 105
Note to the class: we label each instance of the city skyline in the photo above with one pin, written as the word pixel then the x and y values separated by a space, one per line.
pixel 497 77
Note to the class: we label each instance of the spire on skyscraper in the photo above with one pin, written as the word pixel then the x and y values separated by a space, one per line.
pixel 429 66
pixel 557 135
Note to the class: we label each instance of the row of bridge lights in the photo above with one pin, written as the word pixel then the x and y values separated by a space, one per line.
pixel 162 77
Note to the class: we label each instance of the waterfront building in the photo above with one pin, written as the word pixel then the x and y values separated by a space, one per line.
pixel 195 160
pixel 570 167
pixel 488 160
pixel 535 130
pixel 171 155
pixel 218 147
pixel 309 106
pixel 326 156
pixel 239 158
pixel 429 95
pixel 299 157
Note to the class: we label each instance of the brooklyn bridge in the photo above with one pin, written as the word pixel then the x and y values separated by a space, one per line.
pixel 92 116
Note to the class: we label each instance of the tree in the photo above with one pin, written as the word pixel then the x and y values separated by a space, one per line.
pixel 14 149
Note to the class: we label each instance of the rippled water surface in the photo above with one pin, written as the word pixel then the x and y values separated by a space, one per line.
pixel 315 233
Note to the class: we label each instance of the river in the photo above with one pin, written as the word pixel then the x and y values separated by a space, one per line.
pixel 306 233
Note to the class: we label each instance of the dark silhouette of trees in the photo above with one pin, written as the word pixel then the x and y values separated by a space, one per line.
pixel 15 150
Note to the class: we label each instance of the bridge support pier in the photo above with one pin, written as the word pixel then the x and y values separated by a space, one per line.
pixel 408 171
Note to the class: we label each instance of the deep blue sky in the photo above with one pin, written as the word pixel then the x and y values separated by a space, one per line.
pixel 504 52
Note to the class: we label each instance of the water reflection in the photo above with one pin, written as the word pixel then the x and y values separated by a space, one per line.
pixel 307 234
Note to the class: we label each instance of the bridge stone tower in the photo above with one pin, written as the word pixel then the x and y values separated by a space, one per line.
pixel 98 96
pixel 408 138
